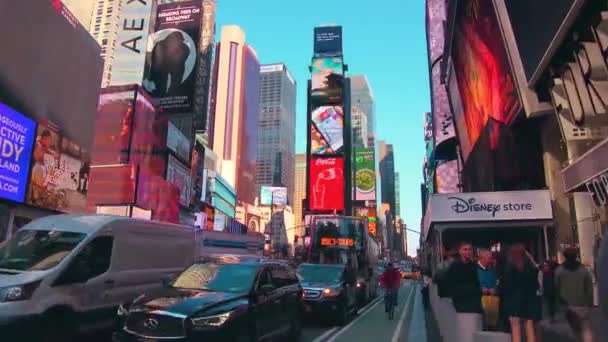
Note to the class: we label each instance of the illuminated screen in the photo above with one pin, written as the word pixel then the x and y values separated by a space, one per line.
pixel 327 130
pixel 122 179
pixel 487 89
pixel 327 80
pixel 326 191
pixel 365 175
pixel 273 195
pixel 113 128
pixel 341 242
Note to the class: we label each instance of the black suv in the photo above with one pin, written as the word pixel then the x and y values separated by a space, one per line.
pixel 329 291
pixel 240 300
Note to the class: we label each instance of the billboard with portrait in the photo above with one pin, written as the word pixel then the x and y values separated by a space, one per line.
pixel 172 50
pixel 327 80
pixel 326 184
pixel 327 130
pixel 16 139
pixel 179 175
pixel 365 174
pixel 273 195
pixel 483 74
pixel 113 127
pixel 328 40
pixel 60 172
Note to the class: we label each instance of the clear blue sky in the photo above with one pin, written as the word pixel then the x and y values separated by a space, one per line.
pixel 383 39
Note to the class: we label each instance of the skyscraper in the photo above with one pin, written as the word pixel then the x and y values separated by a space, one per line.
pixel 82 9
pixel 277 129
pixel 104 27
pixel 359 124
pixel 362 103
pixel 397 196
pixel 234 111
pixel 300 190
pixel 387 174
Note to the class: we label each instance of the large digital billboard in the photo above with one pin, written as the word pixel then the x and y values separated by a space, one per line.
pixel 149 140
pixel 60 171
pixel 447 177
pixel 365 175
pixel 16 139
pixel 113 127
pixel 130 56
pixel 327 80
pixel 179 175
pixel 328 40
pixel 327 130
pixel 112 185
pixel 171 68
pixel 326 183
pixel 486 86
pixel 273 195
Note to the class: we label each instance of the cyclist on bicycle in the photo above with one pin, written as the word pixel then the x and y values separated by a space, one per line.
pixel 390 280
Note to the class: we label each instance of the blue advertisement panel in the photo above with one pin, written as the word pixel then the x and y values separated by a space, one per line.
pixel 328 40
pixel 16 138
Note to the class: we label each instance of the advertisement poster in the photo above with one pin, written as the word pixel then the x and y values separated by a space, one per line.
pixel 122 179
pixel 326 191
pixel 130 55
pixel 113 128
pixel 60 172
pixel 178 143
pixel 371 215
pixel 272 195
pixel 365 175
pixel 16 138
pixel 179 175
pixel 328 40
pixel 327 80
pixel 327 130
pixel 149 141
pixel 159 196
pixel 481 65
pixel 172 50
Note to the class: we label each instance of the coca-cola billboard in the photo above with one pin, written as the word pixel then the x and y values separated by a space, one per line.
pixel 326 184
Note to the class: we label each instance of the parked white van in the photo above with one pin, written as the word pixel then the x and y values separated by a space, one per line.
pixel 66 274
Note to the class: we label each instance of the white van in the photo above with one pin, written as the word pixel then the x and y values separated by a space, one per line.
pixel 67 274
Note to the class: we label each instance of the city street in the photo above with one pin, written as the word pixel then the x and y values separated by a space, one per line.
pixel 372 324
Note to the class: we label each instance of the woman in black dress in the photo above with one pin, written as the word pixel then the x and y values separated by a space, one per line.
pixel 520 287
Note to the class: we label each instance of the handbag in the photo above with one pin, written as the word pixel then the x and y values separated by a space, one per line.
pixel 490 305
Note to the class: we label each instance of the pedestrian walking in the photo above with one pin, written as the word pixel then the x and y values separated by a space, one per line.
pixel 521 300
pixel 462 281
pixel 574 290
pixel 488 282
pixel 547 273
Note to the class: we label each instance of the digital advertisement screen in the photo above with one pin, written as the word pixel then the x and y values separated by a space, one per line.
pixel 122 179
pixel 371 215
pixel 60 172
pixel 113 128
pixel 272 195
pixel 149 141
pixel 481 65
pixel 447 179
pixel 327 130
pixel 16 139
pixel 365 175
pixel 178 143
pixel 326 182
pixel 158 195
pixel 179 175
pixel 327 80
pixel 173 51
pixel 328 40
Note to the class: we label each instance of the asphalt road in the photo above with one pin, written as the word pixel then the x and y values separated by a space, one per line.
pixel 371 324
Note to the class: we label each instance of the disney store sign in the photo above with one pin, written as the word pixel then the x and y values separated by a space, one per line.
pixel 491 206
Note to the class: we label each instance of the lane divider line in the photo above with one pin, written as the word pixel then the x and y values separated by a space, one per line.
pixel 325 335
pixel 367 309
pixel 406 308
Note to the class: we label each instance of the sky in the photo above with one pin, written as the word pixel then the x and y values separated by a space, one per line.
pixel 383 39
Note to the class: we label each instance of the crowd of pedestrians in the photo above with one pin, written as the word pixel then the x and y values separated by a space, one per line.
pixel 510 292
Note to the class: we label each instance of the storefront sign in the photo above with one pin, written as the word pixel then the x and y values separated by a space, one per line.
pixel 491 206
pixel 598 188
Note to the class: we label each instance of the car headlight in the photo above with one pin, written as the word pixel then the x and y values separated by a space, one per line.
pixel 19 292
pixel 122 311
pixel 332 292
pixel 211 321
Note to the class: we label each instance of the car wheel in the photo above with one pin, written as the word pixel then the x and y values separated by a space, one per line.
pixel 57 326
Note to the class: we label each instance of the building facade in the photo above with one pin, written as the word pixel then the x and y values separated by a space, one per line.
pixel 387 174
pixel 299 191
pixel 397 195
pixel 277 129
pixel 82 9
pixel 359 124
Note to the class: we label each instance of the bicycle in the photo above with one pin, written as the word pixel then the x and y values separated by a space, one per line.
pixel 390 296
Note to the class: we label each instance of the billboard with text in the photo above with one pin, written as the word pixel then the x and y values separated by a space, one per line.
pixel 328 40
pixel 273 195
pixel 326 184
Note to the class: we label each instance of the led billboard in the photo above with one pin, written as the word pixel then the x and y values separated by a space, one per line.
pixel 365 175
pixel 179 175
pixel 447 178
pixel 113 128
pixel 328 40
pixel 112 185
pixel 178 143
pixel 273 195
pixel 327 80
pixel 327 130
pixel 171 67
pixel 16 139
pixel 326 184
pixel 486 87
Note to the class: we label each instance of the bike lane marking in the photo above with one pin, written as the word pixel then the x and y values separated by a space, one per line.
pixel 406 309
pixel 362 313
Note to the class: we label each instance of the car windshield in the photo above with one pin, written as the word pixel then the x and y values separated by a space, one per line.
pixel 217 277
pixel 38 250
pixel 320 274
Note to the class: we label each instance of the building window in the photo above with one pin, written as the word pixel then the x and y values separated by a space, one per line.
pixel 230 100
